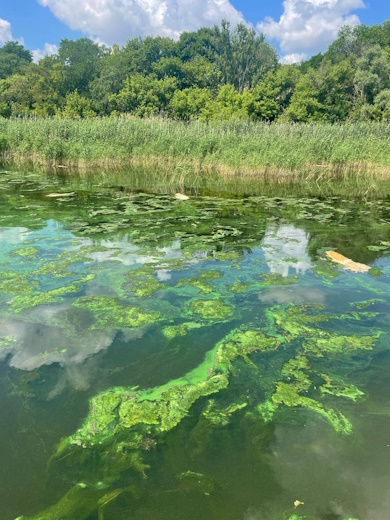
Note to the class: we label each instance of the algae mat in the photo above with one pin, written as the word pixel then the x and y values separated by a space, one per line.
pixel 191 358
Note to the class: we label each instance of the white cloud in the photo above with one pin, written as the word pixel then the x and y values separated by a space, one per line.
pixel 5 31
pixel 48 50
pixel 307 27
pixel 116 21
pixel 289 59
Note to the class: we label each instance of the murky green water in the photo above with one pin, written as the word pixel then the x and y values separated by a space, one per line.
pixel 191 360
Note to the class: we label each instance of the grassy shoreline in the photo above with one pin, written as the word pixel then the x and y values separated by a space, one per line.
pixel 243 148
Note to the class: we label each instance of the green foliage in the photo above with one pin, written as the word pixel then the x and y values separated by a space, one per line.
pixel 217 73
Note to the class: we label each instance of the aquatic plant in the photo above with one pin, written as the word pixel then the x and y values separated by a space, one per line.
pixel 111 313
pixel 35 298
pixel 210 309
pixel 201 282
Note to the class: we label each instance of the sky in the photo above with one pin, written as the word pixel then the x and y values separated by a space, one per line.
pixel 298 28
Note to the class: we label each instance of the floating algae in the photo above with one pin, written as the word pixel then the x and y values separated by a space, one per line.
pixel 27 252
pixel 34 299
pixel 211 309
pixel 290 395
pixel 201 282
pixel 276 279
pixel 121 420
pixel 186 429
pixel 111 313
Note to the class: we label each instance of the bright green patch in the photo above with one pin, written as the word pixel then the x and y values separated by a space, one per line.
pixel 111 313
pixel 201 282
pixel 211 309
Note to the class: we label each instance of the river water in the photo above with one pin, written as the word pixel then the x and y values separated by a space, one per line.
pixel 198 359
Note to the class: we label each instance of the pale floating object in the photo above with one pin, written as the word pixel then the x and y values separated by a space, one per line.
pixel 298 503
pixel 180 196
pixel 348 263
pixel 58 195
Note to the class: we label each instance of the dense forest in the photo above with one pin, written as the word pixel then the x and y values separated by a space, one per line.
pixel 215 73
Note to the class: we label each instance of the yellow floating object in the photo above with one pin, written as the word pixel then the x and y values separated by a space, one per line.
pixel 180 196
pixel 298 503
pixel 347 262
pixel 58 195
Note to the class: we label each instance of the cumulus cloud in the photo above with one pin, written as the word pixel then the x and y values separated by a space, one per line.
pixel 116 21
pixel 48 50
pixel 5 31
pixel 307 27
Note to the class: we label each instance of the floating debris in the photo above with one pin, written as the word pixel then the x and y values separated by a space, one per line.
pixel 180 196
pixel 298 503
pixel 348 263
pixel 58 195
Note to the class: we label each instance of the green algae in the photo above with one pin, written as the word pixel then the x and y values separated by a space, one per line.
pixel 219 415
pixel 7 343
pixel 34 299
pixel 125 420
pixel 58 267
pixel 201 282
pixel 240 287
pixel 327 269
pixel 367 303
pixel 211 309
pixel 290 395
pixel 80 502
pixel 276 279
pixel 193 481
pixel 324 343
pixel 335 386
pixel 228 256
pixel 26 252
pixel 16 283
pixel 111 313
pixel 174 331
pixel 146 286
pixel 159 410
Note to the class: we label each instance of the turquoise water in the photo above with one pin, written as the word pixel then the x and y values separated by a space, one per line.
pixel 200 359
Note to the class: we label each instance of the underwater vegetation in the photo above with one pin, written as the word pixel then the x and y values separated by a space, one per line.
pixel 121 420
pixel 195 316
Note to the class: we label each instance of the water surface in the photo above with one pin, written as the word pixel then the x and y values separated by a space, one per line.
pixel 191 359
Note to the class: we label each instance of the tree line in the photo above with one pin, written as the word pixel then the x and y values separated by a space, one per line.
pixel 216 73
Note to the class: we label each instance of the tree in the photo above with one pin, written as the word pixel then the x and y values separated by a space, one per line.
pixel 144 95
pixel 189 103
pixel 78 107
pixel 80 60
pixel 14 58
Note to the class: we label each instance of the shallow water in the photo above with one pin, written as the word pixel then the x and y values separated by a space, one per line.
pixel 198 360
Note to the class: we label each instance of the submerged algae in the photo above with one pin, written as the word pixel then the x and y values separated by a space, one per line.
pixel 26 252
pixel 173 331
pixel 211 309
pixel 16 283
pixel 289 394
pixel 276 279
pixel 201 282
pixel 121 420
pixel 111 313
pixel 335 386
pixel 122 409
pixel 23 301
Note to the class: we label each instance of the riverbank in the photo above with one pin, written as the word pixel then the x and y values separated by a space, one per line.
pixel 232 148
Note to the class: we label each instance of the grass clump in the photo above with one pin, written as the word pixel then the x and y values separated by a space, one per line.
pixel 237 147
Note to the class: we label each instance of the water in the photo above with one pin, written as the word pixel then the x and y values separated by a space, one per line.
pixel 191 360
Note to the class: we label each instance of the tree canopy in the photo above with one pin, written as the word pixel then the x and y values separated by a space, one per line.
pixel 221 72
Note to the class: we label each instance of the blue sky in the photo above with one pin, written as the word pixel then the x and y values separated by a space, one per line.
pixel 41 23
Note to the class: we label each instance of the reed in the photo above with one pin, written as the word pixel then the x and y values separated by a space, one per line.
pixel 236 147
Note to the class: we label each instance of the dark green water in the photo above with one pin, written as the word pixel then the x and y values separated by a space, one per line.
pixel 190 360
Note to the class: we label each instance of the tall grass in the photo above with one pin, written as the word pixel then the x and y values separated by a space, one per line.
pixel 225 147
